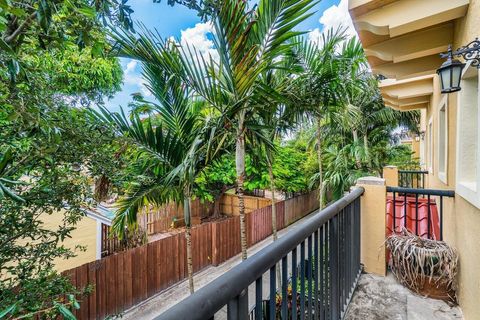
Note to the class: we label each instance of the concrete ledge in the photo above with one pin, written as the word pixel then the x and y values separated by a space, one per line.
pixel 371 181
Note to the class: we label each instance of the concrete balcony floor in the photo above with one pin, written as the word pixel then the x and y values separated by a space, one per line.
pixel 383 298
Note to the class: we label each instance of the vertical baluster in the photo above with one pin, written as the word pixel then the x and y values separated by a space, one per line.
pixel 243 305
pixel 352 246
pixel 322 273
pixel 441 218
pixel 273 293
pixel 416 214
pixel 294 284
pixel 302 280
pixel 428 217
pixel 358 227
pixel 232 309
pixel 284 287
pixel 345 257
pixel 405 211
pixel 394 212
pixel 309 277
pixel 341 265
pixel 334 268
pixel 328 278
pixel 316 275
pixel 259 299
pixel 348 251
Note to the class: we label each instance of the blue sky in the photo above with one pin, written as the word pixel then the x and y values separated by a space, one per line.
pixel 184 24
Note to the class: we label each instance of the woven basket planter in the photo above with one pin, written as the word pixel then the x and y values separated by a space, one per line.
pixel 427 267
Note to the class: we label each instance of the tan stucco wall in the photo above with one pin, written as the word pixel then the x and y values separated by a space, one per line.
pixel 461 219
pixel 85 234
pixel 373 219
pixel 390 174
pixel 414 146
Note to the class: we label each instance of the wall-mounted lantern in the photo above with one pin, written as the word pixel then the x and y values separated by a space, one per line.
pixel 450 71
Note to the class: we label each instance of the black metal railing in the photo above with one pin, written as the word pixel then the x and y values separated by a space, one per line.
pixel 411 196
pixel 319 263
pixel 412 178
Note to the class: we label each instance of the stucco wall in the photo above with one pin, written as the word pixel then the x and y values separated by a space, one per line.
pixel 373 221
pixel 461 219
pixel 85 235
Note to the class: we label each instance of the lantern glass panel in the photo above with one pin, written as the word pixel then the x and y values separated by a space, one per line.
pixel 456 73
pixel 445 78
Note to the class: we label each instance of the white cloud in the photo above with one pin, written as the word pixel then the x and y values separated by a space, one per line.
pixel 131 76
pixel 131 66
pixel 197 37
pixel 334 17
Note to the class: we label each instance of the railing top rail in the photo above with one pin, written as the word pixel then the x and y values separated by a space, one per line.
pixel 413 171
pixel 205 302
pixel 431 192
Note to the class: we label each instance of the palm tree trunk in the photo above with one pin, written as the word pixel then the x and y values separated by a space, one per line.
pixel 320 169
pixel 188 238
pixel 216 203
pixel 357 157
pixel 274 209
pixel 240 168
pixel 367 151
pixel 274 217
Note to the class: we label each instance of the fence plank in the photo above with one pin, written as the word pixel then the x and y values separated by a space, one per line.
pixel 101 293
pixel 81 274
pixel 110 283
pixel 120 294
pixel 151 263
pixel 92 297
pixel 128 279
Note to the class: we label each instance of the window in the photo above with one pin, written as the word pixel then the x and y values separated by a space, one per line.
pixel 468 135
pixel 430 145
pixel 443 140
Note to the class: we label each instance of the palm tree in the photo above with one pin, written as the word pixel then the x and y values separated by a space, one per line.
pixel 358 112
pixel 172 153
pixel 320 85
pixel 247 41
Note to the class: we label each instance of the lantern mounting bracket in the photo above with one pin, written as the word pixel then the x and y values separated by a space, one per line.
pixel 469 52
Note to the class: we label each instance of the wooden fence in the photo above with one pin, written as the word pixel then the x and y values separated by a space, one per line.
pixel 158 219
pixel 127 278
pixel 229 204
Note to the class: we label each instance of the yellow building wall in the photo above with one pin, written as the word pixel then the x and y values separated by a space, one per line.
pixel 85 234
pixel 461 219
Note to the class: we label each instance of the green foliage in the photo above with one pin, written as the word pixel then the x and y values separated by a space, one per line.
pixel 401 156
pixel 218 176
pixel 291 174
pixel 51 164
pixel 55 23
pixel 50 150
pixel 77 73
pixel 288 169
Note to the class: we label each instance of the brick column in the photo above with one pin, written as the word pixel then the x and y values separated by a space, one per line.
pixel 373 219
